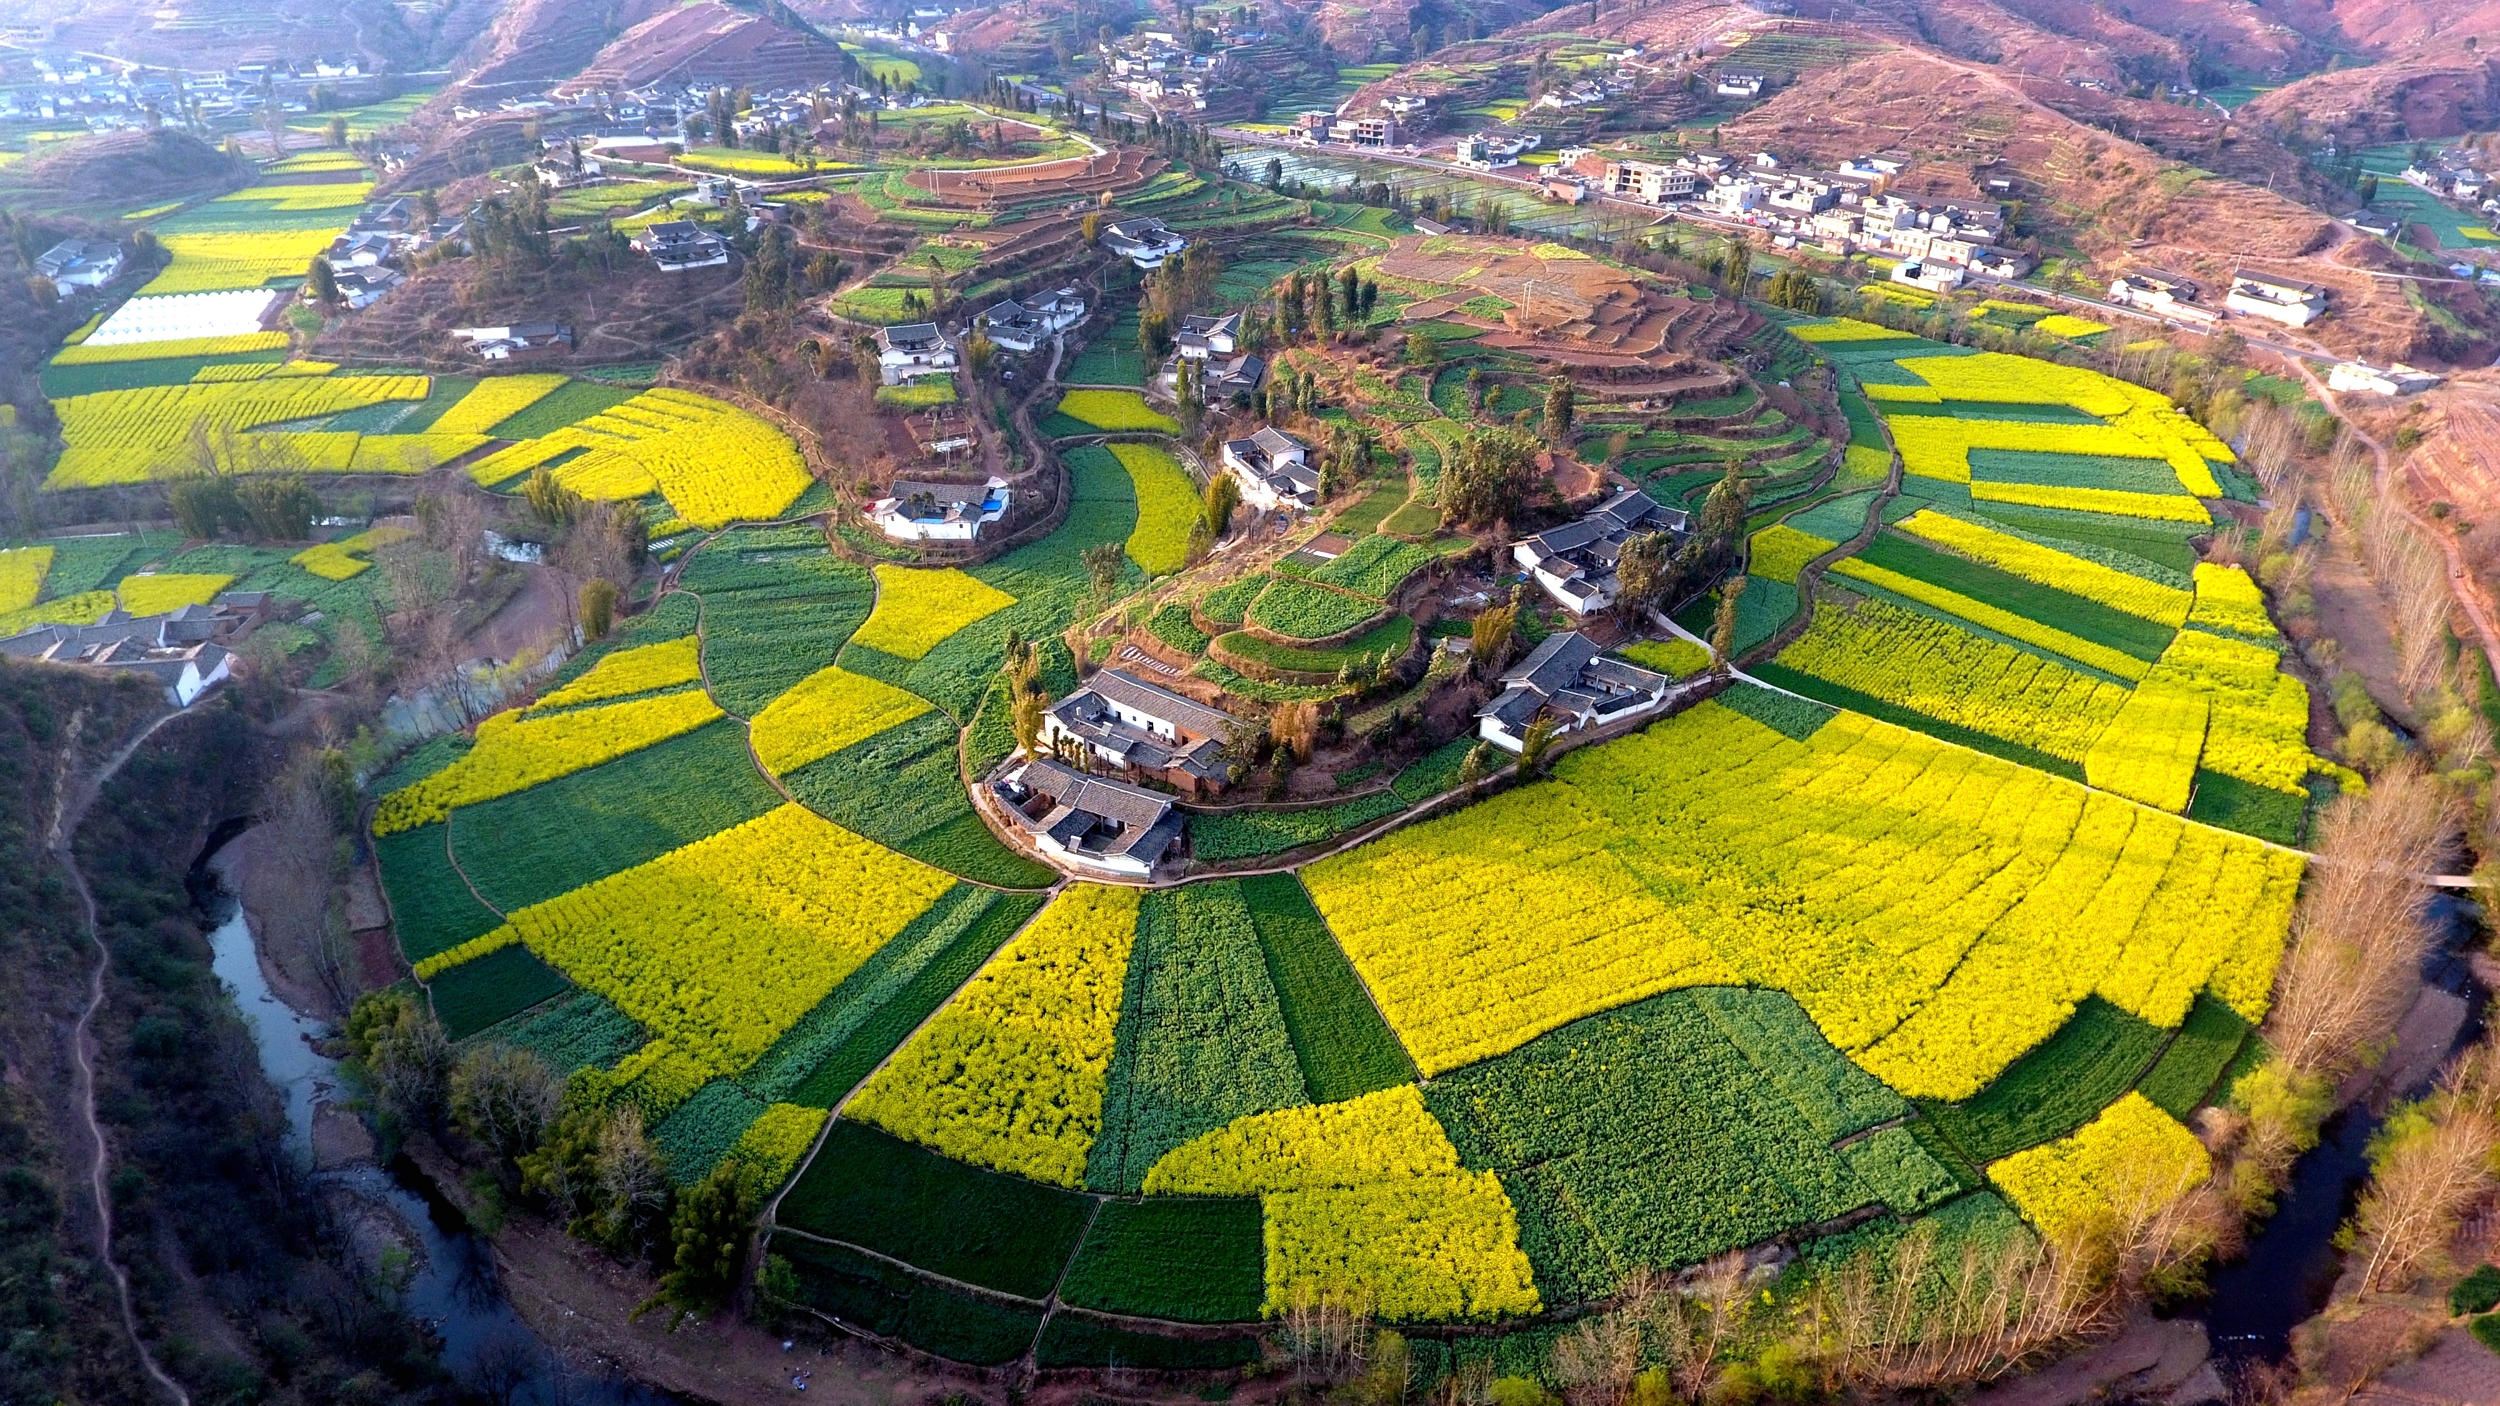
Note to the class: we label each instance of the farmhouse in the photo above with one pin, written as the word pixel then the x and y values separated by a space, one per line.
pixel 183 652
pixel 1122 721
pixel 2397 379
pixel 1575 563
pixel 1274 469
pixel 939 512
pixel 2160 293
pixel 1566 679
pixel 1142 240
pixel 912 349
pixel 1025 326
pixel 678 245
pixel 80 263
pixel 362 288
pixel 1204 337
pixel 519 341
pixel 1085 820
pixel 2285 300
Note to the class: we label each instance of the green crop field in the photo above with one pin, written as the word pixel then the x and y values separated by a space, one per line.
pixel 1966 893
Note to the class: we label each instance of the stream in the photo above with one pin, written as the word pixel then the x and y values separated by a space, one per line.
pixel 2291 1265
pixel 452 1287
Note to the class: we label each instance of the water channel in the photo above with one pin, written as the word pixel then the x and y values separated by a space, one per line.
pixel 452 1286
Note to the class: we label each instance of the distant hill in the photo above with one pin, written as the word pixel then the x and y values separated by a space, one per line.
pixel 138 166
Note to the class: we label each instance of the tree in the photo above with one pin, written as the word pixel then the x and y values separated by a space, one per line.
pixel 404 1054
pixel 1641 570
pixel 1223 494
pixel 504 1098
pixel 1488 638
pixel 1536 742
pixel 1154 335
pixel 550 501
pixel 1723 627
pixel 1421 351
pixel 322 282
pixel 598 608
pixel 979 351
pixel 338 133
pixel 277 507
pixel 1559 407
pixel 1274 177
pixel 1486 480
pixel 709 1229
pixel 1102 567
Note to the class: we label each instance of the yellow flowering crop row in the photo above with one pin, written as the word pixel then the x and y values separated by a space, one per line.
pixel 917 610
pixel 2260 715
pixel 770 1149
pixel 205 263
pixel 2048 566
pixel 514 753
pixel 631 671
pixel 1383 1136
pixel 495 400
pixel 83 355
pixel 1436 1249
pixel 2227 600
pixel 335 195
pixel 1935 910
pixel 1780 551
pixel 2005 622
pixel 170 590
pixel 1938 447
pixel 2158 507
pixel 1009 1074
pixel 138 436
pixel 1366 1207
pixel 338 561
pixel 410 453
pixel 2148 752
pixel 1115 410
pixel 715 463
pixel 2058 324
pixel 2165 431
pixel 1845 329
pixel 1954 676
pixel 828 711
pixel 22 570
pixel 85 608
pixel 720 946
pixel 2132 1159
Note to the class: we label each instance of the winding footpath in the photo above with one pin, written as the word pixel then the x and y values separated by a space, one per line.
pixel 70 801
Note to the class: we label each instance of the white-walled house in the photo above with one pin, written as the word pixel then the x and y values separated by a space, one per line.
pixel 1122 721
pixel 80 263
pixel 1575 563
pixel 1566 679
pixel 912 349
pixel 2285 300
pixel 1024 326
pixel 1142 240
pixel 1109 827
pixel 939 512
pixel 1274 470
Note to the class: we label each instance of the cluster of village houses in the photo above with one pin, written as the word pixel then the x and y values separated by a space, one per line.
pixel 114 97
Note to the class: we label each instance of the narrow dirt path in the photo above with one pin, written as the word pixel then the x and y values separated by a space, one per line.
pixel 71 799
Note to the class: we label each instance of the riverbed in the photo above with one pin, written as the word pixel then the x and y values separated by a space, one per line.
pixel 451 1281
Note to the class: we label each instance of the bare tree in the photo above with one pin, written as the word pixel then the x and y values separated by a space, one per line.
pixel 298 900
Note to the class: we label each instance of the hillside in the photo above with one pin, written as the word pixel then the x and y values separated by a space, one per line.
pixel 2120 204
pixel 709 42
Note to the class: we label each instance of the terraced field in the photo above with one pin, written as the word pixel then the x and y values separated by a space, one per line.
pixel 1954 924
